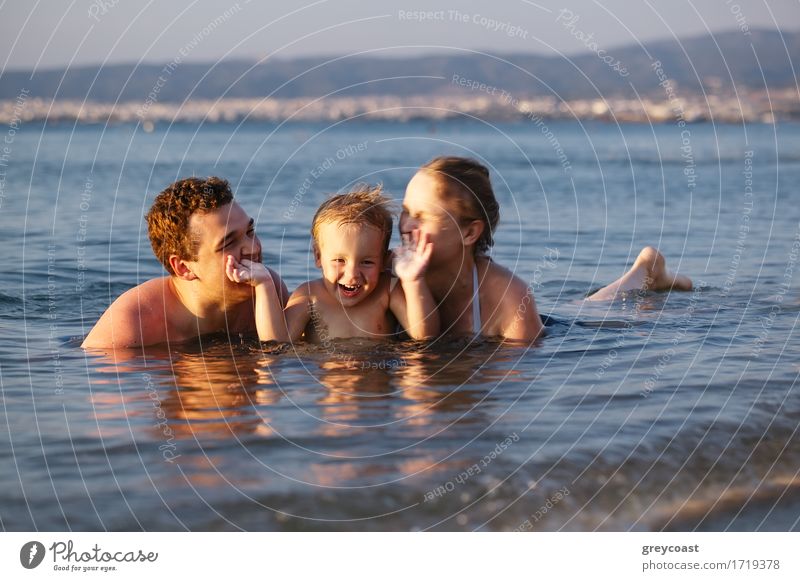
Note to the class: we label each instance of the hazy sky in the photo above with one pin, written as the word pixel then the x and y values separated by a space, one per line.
pixel 55 33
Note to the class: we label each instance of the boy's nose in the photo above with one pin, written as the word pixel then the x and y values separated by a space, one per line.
pixel 350 271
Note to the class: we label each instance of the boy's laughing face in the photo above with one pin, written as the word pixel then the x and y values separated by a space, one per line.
pixel 352 259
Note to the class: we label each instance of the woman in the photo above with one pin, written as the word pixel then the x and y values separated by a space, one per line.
pixel 450 199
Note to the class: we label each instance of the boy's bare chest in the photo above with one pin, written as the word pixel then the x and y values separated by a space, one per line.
pixel 332 321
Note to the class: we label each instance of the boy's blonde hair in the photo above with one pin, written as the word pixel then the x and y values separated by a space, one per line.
pixel 364 205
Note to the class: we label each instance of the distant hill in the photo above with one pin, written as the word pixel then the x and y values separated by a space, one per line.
pixel 764 59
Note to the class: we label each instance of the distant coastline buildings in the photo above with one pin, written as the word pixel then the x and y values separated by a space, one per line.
pixel 743 106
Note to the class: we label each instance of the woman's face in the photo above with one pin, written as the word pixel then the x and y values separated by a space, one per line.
pixel 426 208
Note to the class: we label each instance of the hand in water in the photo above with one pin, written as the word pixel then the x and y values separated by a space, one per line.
pixel 412 258
pixel 246 271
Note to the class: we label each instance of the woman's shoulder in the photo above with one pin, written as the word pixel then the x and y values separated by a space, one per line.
pixel 510 301
pixel 500 281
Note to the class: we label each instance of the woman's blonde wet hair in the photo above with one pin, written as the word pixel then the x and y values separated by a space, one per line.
pixel 364 205
pixel 467 181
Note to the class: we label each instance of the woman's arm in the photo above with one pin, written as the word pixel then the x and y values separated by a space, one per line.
pixel 411 301
pixel 415 309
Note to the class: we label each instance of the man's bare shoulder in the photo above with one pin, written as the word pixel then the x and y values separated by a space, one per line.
pixel 136 317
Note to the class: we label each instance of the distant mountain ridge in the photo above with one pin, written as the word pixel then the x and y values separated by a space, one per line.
pixel 765 59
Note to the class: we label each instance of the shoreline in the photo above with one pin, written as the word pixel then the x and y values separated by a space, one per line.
pixel 771 107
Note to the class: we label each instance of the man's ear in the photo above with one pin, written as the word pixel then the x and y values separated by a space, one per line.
pixel 472 232
pixel 180 268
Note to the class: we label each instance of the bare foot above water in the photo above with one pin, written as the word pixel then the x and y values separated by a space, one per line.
pixel 648 273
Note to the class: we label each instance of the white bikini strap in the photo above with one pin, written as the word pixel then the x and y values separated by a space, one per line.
pixel 476 302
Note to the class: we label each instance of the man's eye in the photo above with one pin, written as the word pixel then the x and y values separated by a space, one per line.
pixel 368 262
pixel 251 232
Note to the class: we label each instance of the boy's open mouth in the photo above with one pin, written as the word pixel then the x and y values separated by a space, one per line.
pixel 349 291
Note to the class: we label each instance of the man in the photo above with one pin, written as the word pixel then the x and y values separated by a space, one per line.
pixel 198 232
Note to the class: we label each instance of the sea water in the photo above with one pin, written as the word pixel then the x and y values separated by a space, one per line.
pixel 655 412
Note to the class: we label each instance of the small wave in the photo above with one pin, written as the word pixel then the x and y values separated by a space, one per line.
pixel 771 505
pixel 10 300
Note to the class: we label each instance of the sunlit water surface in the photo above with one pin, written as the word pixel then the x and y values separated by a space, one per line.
pixel 662 411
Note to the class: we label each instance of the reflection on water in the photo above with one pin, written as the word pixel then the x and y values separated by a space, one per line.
pixel 458 436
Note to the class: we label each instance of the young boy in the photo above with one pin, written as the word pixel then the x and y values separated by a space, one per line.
pixel 355 297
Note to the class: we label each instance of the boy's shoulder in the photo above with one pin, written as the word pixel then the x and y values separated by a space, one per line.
pixel 309 287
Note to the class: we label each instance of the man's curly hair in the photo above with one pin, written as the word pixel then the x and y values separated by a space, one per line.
pixel 168 218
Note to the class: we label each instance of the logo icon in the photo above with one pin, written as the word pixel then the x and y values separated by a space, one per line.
pixel 31 554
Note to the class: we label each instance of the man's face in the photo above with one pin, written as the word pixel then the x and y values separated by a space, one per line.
pixel 226 230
